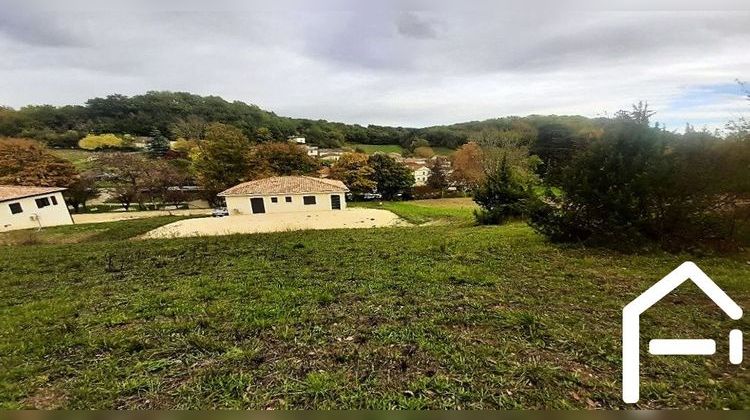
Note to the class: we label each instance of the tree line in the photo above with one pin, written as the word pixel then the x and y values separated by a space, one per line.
pixel 182 115
pixel 628 184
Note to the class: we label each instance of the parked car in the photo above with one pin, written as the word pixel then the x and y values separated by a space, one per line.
pixel 220 212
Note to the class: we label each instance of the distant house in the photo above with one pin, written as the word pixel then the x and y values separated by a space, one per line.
pixel 285 194
pixel 302 142
pixel 312 150
pixel 23 207
pixel 296 139
pixel 420 171
pixel 330 155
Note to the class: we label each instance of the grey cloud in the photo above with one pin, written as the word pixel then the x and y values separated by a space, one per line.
pixel 412 25
pixel 376 64
pixel 37 30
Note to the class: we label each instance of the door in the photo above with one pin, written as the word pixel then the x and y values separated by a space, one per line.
pixel 257 205
pixel 336 202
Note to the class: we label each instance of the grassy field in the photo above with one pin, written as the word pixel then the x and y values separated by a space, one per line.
pixel 94 232
pixel 442 316
pixel 79 157
pixel 395 148
pixel 448 210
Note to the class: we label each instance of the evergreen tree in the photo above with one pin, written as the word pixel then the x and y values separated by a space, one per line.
pixel 501 195
pixel 159 145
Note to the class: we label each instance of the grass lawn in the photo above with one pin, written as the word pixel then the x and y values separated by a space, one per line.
pixel 453 210
pixel 90 232
pixel 441 316
pixel 79 157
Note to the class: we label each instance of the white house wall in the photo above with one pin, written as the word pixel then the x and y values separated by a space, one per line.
pixel 240 205
pixel 52 215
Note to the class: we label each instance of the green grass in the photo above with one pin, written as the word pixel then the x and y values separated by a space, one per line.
pixel 80 158
pixel 446 316
pixel 90 232
pixel 453 210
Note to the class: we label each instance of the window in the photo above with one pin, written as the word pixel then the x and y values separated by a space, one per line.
pixel 15 208
pixel 54 200
pixel 288 199
pixel 308 199
pixel 42 202
pixel 274 199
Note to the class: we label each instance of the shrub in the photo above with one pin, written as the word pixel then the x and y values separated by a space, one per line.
pixel 100 141
pixel 501 196
pixel 638 184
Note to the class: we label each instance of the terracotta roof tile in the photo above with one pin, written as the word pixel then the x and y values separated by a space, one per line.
pixel 14 192
pixel 286 185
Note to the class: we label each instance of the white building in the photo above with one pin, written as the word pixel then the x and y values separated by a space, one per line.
pixel 312 150
pixel 331 155
pixel 32 207
pixel 285 194
pixel 421 173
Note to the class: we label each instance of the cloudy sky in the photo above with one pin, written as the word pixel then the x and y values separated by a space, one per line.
pixel 394 63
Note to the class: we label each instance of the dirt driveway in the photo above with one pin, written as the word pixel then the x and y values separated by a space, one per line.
pixel 280 222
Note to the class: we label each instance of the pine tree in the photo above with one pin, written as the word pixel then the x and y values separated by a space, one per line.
pixel 159 145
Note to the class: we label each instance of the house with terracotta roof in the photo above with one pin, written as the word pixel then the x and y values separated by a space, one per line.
pixel 285 194
pixel 23 207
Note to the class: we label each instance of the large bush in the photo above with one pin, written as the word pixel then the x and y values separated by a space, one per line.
pixel 501 196
pixel 639 184
pixel 101 141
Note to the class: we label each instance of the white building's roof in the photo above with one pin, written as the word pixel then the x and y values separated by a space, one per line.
pixel 14 192
pixel 286 185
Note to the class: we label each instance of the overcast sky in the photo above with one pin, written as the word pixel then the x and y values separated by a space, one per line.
pixel 406 63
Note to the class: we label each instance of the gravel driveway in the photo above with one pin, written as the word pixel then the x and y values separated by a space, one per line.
pixel 278 222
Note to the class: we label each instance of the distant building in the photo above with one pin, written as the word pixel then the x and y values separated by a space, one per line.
pixel 23 207
pixel 420 171
pixel 285 194
pixel 312 151
pixel 330 155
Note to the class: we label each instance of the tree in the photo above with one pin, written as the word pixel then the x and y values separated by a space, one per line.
pixel 639 114
pixel 184 147
pixel 391 177
pixel 25 162
pixel 81 191
pixel 502 195
pixel 555 145
pixel 222 159
pixel 639 184
pixel 438 178
pixel 128 174
pixel 159 145
pixel 263 135
pixel 100 141
pixel 191 128
pixel 162 181
pixel 354 170
pixel 279 159
pixel 424 152
pixel 468 170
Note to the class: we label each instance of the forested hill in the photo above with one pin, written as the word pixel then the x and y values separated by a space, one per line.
pixel 182 114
